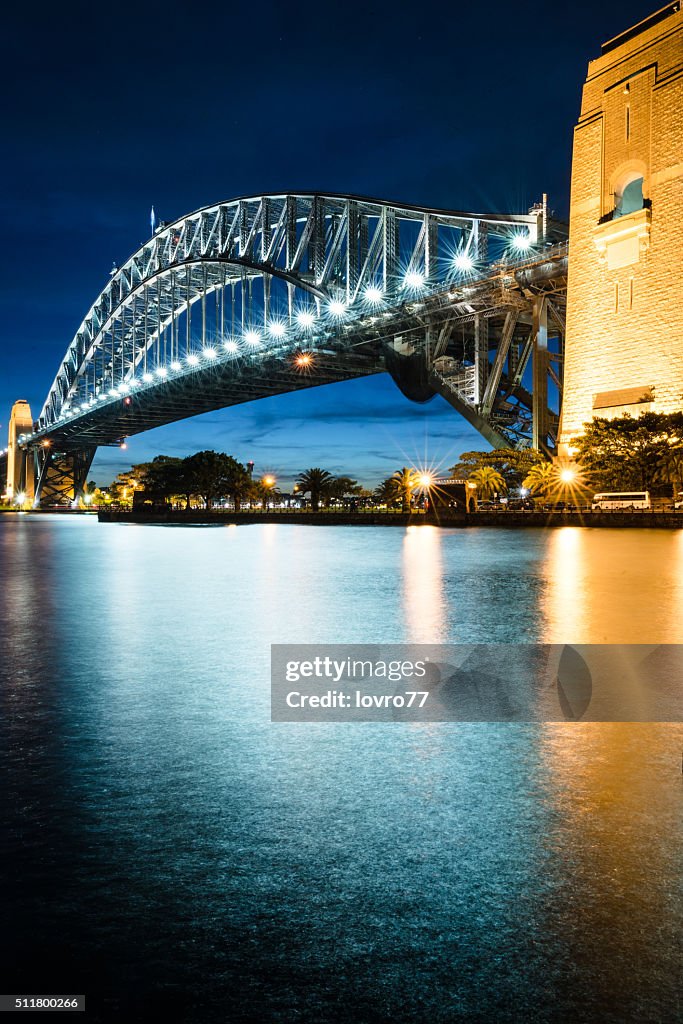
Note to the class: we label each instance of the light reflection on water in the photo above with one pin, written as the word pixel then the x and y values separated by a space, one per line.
pixel 623 586
pixel 424 598
pixel 159 829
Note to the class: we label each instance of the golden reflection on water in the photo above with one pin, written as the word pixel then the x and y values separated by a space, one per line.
pixel 424 600
pixel 606 778
pixel 613 586
pixel 615 788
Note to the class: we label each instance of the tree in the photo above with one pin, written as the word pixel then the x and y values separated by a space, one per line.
pixel 240 483
pixel 513 464
pixel 405 483
pixel 670 469
pixel 316 481
pixel 489 481
pixel 626 453
pixel 387 492
pixel 121 489
pixel 162 479
pixel 263 490
pixel 540 478
pixel 215 475
pixel 343 487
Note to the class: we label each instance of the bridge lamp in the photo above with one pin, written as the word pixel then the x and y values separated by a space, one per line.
pixel 113 393
pixel 209 353
pixel 252 337
pixel 162 371
pixel 175 366
pixel 277 329
pixel 305 318
pixel 123 445
pixel 148 378
pixel 463 261
pixel 102 396
pixel 193 359
pixel 337 307
pixel 20 498
pixel 414 280
pixel 231 346
pixel 374 295
pixel 521 243
pixel 303 359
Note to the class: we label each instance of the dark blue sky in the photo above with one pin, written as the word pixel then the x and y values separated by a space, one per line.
pixel 111 108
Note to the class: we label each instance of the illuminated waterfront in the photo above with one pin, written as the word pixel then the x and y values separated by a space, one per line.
pixel 166 841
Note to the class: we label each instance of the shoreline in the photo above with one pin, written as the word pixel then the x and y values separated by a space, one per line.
pixel 457 520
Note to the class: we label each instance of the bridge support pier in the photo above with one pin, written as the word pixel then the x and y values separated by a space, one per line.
pixel 60 476
pixel 20 475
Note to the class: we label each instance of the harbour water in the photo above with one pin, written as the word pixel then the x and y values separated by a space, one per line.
pixel 167 850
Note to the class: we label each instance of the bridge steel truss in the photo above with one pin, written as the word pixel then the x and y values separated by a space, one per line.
pixel 219 308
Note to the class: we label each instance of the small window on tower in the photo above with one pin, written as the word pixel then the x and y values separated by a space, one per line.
pixel 631 199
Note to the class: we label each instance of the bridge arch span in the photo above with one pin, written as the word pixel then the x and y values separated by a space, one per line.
pixel 218 306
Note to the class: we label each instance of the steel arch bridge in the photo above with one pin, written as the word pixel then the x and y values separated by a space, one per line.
pixel 273 293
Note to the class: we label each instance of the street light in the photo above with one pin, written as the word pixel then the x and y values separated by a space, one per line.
pixel 267 482
pixel 567 475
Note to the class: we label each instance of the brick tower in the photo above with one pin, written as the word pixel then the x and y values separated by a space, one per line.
pixel 624 346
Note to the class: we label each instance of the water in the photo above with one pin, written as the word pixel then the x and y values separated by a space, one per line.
pixel 167 850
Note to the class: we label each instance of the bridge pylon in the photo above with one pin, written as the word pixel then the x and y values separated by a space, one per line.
pixel 624 352
pixel 20 485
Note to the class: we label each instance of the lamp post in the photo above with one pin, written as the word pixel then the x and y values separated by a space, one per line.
pixel 268 483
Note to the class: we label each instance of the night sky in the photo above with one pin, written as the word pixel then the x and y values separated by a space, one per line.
pixel 110 108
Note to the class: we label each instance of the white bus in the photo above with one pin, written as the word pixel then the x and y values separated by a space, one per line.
pixel 619 500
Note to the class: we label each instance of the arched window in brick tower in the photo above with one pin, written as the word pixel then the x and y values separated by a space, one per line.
pixel 629 197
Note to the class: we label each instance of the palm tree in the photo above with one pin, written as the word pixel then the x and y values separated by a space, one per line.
pixel 405 481
pixel 539 478
pixel 318 482
pixel 670 469
pixel 489 481
pixel 387 492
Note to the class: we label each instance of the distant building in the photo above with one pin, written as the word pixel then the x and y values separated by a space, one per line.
pixel 449 492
